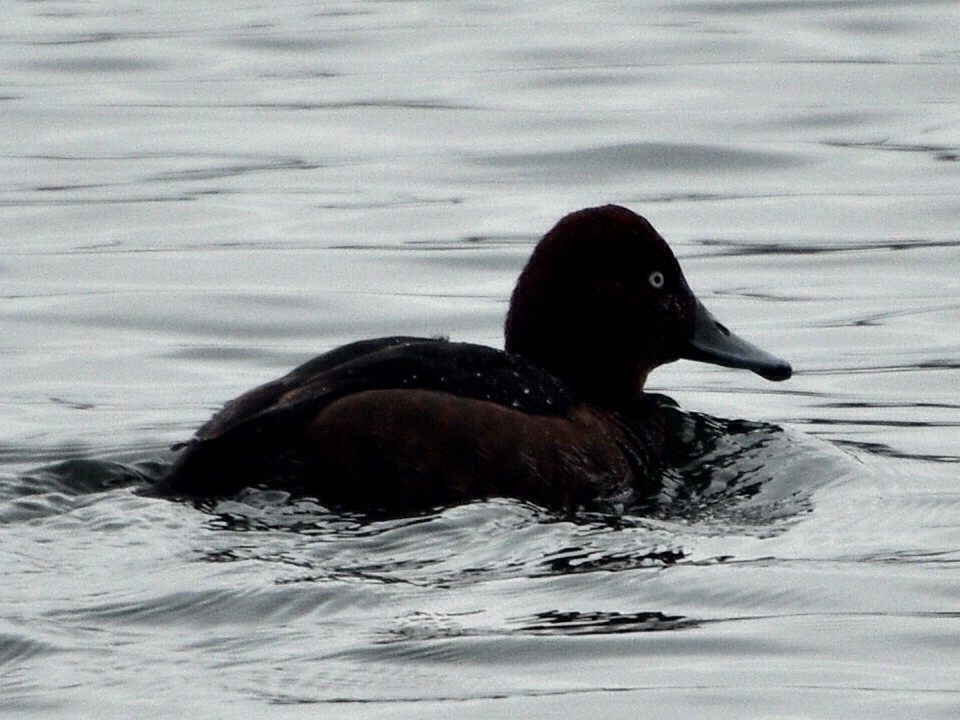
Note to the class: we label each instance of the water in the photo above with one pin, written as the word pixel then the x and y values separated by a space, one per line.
pixel 195 199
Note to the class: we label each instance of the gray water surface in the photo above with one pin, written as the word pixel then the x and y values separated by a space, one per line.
pixel 197 198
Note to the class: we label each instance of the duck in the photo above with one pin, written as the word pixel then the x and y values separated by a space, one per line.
pixel 559 417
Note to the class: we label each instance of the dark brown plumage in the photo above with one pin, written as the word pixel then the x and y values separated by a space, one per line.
pixel 559 418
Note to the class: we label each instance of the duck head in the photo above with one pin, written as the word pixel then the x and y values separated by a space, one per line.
pixel 602 302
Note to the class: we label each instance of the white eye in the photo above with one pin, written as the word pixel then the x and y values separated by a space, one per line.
pixel 656 279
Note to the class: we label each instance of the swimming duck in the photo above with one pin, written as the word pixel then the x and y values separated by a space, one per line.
pixel 558 418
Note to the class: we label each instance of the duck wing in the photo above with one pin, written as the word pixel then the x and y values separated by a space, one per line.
pixel 262 397
pixel 462 369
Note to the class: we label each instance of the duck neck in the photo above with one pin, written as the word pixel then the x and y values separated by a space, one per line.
pixel 596 373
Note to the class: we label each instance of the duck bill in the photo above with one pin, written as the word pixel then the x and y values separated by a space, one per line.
pixel 711 342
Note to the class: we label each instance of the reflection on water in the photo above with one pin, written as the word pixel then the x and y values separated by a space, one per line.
pixel 196 199
pixel 634 160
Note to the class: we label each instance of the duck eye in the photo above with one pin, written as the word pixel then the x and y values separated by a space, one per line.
pixel 656 279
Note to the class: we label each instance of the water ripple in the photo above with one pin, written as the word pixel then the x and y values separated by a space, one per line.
pixel 609 160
